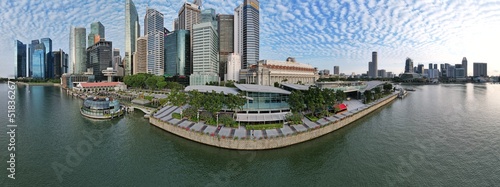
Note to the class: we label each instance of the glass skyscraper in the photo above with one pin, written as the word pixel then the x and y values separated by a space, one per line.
pixel 38 61
pixel 20 59
pixel 250 32
pixel 177 53
pixel 31 49
pixel 153 29
pixel 96 33
pixel 132 32
pixel 100 57
pixel 78 50
pixel 49 58
pixel 226 41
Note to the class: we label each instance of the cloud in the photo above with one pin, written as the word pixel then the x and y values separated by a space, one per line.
pixel 322 33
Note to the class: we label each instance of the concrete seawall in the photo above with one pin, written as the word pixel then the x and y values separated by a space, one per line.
pixel 270 143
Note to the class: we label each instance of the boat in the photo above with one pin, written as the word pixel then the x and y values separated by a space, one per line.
pixel 402 93
pixel 410 89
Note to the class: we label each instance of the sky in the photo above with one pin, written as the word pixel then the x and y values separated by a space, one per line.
pixel 322 33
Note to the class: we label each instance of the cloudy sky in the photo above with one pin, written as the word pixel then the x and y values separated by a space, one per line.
pixel 322 33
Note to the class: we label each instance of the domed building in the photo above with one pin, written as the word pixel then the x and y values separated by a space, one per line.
pixel 101 108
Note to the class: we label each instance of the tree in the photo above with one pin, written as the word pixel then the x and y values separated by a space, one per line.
pixel 378 91
pixel 296 101
pixel 340 95
pixel 177 98
pixel 387 87
pixel 151 83
pixel 368 96
pixel 160 82
pixel 235 102
pixel 276 84
pixel 195 100
pixel 213 102
pixel 330 98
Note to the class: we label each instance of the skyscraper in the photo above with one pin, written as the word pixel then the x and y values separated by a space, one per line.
pixel 60 63
pixel 177 53
pixel 238 30
pixel 140 56
pixel 49 59
pixel 250 32
pixel 374 67
pixel 205 54
pixel 480 69
pixel 189 14
pixel 31 49
pixel 226 41
pixel 20 55
pixel 132 32
pixel 409 65
pixel 100 57
pixel 370 69
pixel 464 65
pixel 38 61
pixel 420 69
pixel 153 30
pixel 77 50
pixel 336 70
pixel 96 33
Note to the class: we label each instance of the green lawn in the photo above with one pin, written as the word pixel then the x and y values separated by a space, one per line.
pixel 264 126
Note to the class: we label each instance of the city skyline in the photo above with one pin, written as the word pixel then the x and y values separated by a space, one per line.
pixel 322 34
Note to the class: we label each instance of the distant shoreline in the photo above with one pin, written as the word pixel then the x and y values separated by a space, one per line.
pixel 38 84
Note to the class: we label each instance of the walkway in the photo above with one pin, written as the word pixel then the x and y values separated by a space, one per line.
pixel 165 115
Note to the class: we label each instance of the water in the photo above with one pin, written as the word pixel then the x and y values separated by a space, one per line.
pixel 440 135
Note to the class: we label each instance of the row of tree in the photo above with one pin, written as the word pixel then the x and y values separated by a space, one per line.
pixel 149 81
pixel 376 93
pixel 211 102
pixel 317 101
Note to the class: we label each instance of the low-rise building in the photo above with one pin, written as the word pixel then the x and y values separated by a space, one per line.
pixel 100 86
pixel 267 72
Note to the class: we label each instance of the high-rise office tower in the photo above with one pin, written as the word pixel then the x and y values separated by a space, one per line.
pixel 226 41
pixel 153 30
pixel 49 59
pixel 99 58
pixel 60 63
pixel 336 70
pixel 480 69
pixel 374 68
pixel 96 33
pixel 140 56
pixel 435 66
pixel 370 69
pixel 20 55
pixel 205 54
pixel 77 50
pixel 409 65
pixel 189 14
pixel 177 51
pixel 420 69
pixel 251 31
pixel 464 65
pixel 31 49
pixel 238 30
pixel 38 61
pixel 116 53
pixel 233 67
pixel 132 32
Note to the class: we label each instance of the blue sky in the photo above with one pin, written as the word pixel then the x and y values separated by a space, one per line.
pixel 322 33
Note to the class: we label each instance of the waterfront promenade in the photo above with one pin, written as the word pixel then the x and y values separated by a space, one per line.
pixel 243 139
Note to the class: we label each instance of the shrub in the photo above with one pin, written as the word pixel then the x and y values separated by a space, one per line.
pixel 264 126
pixel 206 116
pixel 294 118
pixel 227 120
pixel 176 115
pixel 190 112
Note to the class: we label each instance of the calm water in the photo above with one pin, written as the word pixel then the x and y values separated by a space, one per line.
pixel 440 135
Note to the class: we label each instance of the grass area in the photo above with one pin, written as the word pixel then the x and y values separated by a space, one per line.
pixel 312 118
pixel 264 126
pixel 176 115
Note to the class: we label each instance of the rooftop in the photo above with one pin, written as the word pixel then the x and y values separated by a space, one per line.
pixel 297 86
pixel 218 89
pixel 99 84
pixel 260 88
